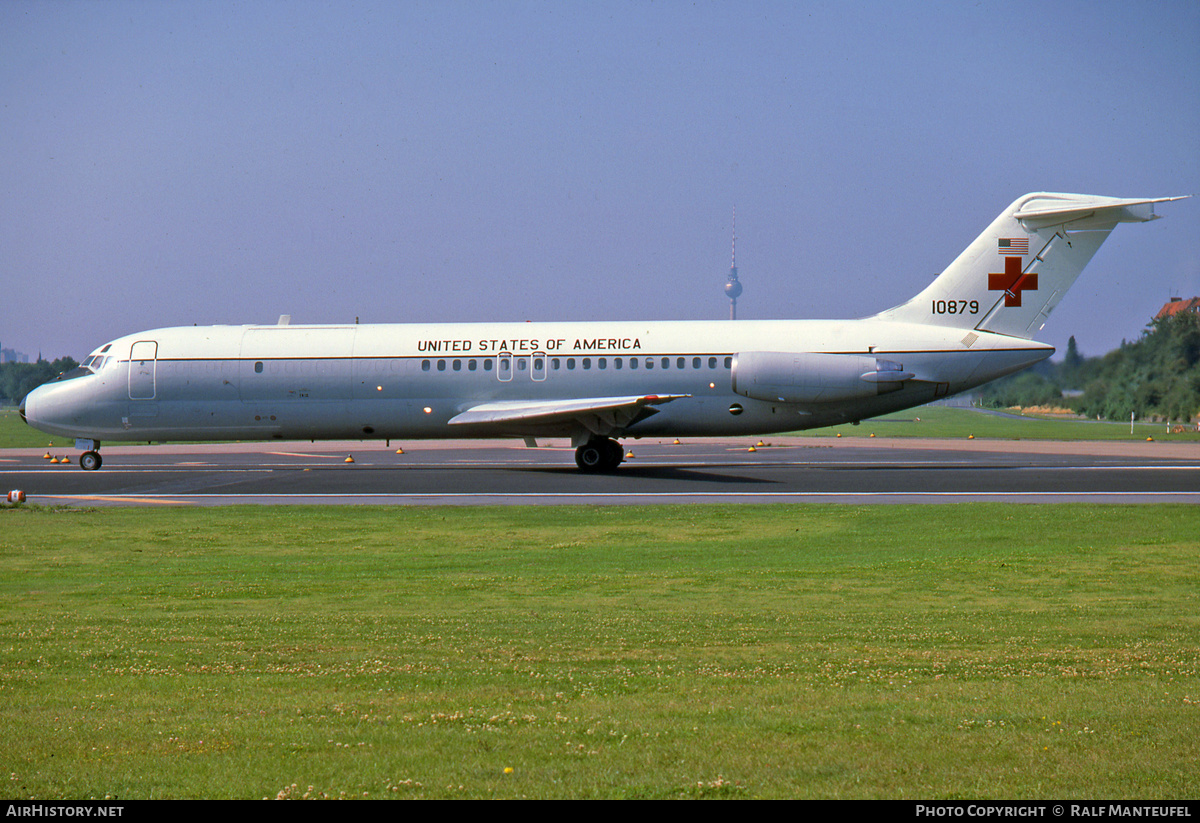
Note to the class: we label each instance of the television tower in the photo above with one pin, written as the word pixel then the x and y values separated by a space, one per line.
pixel 733 287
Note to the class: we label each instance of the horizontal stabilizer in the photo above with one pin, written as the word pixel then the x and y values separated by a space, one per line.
pixel 1056 209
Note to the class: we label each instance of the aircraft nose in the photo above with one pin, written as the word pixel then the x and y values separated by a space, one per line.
pixel 38 410
pixel 26 409
pixel 64 407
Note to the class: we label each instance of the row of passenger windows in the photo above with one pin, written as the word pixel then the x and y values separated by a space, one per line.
pixel 571 363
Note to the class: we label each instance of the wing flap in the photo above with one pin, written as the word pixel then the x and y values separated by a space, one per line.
pixel 599 415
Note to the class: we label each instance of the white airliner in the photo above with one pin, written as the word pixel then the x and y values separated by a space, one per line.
pixel 593 382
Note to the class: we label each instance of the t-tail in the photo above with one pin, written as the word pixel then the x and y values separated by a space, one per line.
pixel 1013 275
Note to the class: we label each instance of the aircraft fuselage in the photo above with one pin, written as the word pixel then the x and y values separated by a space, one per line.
pixel 411 381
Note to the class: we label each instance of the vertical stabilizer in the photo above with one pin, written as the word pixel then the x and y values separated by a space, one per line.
pixel 1013 275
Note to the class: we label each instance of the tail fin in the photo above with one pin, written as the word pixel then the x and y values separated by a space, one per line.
pixel 1013 275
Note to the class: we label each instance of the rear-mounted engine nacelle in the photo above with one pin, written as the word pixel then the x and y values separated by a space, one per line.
pixel 807 377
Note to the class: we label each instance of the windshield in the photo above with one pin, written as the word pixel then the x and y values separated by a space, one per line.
pixel 95 362
pixel 78 371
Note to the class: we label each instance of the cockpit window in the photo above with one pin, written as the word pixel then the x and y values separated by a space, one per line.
pixel 78 371
pixel 93 364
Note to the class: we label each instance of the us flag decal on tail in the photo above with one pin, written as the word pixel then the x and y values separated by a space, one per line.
pixel 1013 245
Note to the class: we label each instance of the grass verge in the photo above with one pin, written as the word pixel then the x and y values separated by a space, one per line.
pixel 954 423
pixel 720 651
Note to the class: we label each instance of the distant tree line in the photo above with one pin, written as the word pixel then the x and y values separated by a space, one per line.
pixel 19 379
pixel 1156 376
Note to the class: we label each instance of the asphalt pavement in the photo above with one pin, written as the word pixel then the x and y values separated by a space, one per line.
pixel 782 469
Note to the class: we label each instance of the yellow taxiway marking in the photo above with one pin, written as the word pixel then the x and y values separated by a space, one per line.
pixel 103 498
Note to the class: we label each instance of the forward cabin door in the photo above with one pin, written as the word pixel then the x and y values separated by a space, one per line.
pixel 143 364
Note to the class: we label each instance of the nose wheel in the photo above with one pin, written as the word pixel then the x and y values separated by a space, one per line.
pixel 599 455
pixel 90 461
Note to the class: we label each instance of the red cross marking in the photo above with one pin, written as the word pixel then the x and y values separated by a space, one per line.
pixel 1012 282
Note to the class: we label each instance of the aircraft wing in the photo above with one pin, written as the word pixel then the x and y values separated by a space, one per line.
pixel 599 415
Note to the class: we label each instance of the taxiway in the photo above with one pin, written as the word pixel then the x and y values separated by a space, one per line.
pixel 781 469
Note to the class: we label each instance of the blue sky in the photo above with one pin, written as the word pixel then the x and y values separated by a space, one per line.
pixel 169 163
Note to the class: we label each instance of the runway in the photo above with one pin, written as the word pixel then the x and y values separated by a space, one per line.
pixel 781 469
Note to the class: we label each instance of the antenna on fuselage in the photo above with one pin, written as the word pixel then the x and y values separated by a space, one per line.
pixel 733 286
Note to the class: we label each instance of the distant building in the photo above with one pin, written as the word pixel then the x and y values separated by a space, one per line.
pixel 1177 306
pixel 12 356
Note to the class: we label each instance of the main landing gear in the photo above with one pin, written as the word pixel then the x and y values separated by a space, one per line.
pixel 599 455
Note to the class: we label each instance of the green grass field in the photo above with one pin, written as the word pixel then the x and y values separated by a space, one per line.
pixel 967 651
pixel 15 434
pixel 948 422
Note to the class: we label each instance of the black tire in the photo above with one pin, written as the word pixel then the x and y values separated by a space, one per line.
pixel 90 461
pixel 616 455
pixel 591 456
pixel 600 455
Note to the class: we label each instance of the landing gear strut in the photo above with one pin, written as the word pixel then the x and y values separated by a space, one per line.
pixel 599 455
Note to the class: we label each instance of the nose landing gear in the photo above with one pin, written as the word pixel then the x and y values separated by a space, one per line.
pixel 599 455
pixel 90 460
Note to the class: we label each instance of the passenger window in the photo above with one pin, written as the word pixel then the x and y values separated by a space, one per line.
pixel 570 363
pixel 602 363
pixel 681 363
pixel 728 362
pixel 633 362
pixel 258 367
pixel 617 362
pixel 712 362
pixel 457 365
pixel 424 365
pixel 441 365
pixel 587 362
pixel 649 362
pixel 487 365
pixel 470 365
pixel 695 362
